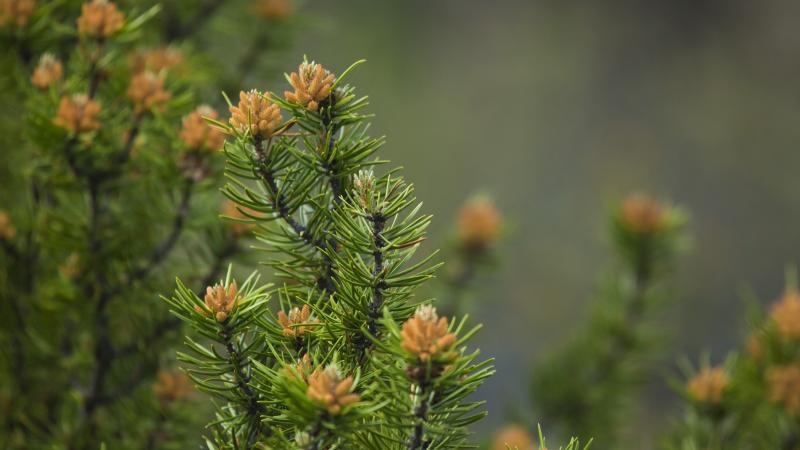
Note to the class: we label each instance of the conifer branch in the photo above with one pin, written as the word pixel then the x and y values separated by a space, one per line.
pixel 172 323
pixel 165 247
pixel 252 405
pixel 277 200
pixel 95 76
pixel 130 138
pixel 647 236
pixel 421 415
pixel 343 229
pixel 103 349
pixel 379 282
pixel 18 344
pixel 632 314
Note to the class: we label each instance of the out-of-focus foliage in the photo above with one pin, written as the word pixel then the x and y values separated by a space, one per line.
pixel 517 437
pixel 752 401
pixel 471 253
pixel 110 182
pixel 586 387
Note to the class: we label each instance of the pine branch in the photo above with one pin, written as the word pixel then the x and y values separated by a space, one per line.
pixel 10 249
pixel 163 249
pixel 130 137
pixel 69 153
pixel 338 226
pixel 95 76
pixel 642 279
pixel 172 323
pixel 421 414
pixel 379 283
pixel 103 349
pixel 143 372
pixel 253 407
pixel 332 169
pixel 278 203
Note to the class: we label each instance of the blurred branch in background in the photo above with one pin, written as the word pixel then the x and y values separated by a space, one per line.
pixel 752 400
pixel 584 388
pixel 472 253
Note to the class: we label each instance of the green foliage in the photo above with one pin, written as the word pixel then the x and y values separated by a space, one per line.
pixel 758 406
pixel 351 359
pixel 100 218
pixel 573 444
pixel 585 388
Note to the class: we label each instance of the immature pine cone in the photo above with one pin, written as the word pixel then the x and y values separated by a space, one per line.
pixel 100 19
pixel 753 348
pixel 78 114
pixel 425 336
pixel 146 91
pixel 7 230
pixel 478 224
pixel 312 84
pixel 513 437
pixel 71 267
pixel 220 302
pixel 274 9
pixel 171 386
pixel 48 71
pixel 302 367
pixel 642 214
pixel 328 390
pixel 291 322
pixel 786 315
pixel 784 387
pixel 255 114
pixel 708 386
pixel 198 134
pixel 17 12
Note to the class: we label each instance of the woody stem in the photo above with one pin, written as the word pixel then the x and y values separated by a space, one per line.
pixel 253 409
pixel 379 283
pixel 421 416
pixel 277 201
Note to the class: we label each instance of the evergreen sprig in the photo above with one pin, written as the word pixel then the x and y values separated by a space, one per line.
pixel 585 388
pixel 752 399
pixel 351 359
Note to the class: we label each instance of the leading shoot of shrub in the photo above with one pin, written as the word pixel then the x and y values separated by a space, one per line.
pixel 608 360
pixel 351 358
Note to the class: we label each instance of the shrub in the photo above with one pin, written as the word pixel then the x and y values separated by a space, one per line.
pixel 110 178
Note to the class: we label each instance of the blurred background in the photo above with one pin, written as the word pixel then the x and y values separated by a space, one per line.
pixel 558 109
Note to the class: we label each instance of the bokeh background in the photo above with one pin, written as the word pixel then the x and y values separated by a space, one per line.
pixel 557 109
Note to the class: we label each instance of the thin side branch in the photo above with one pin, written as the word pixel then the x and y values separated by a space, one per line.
pixel 162 250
